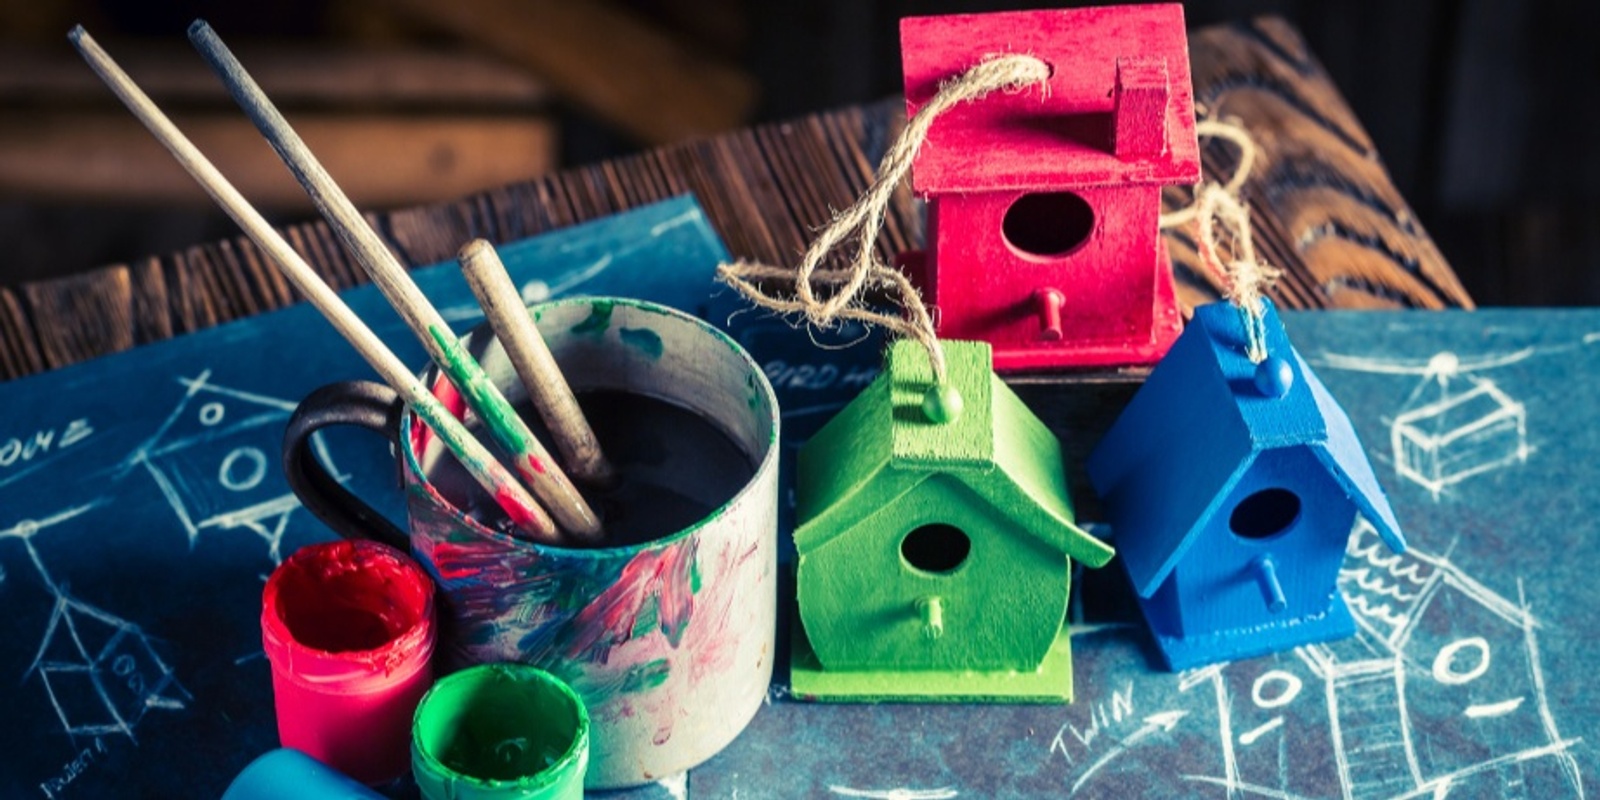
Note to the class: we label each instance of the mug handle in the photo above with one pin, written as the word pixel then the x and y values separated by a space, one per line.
pixel 363 404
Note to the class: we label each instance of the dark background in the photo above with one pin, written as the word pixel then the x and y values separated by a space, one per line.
pixel 1483 110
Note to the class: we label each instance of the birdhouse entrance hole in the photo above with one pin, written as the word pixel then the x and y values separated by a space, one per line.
pixel 1048 224
pixel 1266 513
pixel 935 548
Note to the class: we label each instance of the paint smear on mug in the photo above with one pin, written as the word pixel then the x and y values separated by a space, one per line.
pixel 599 319
pixel 642 339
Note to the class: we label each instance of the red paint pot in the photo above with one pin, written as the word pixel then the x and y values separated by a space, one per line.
pixel 348 629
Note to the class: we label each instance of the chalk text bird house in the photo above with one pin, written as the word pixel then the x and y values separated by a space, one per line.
pixel 934 558
pixel 1232 489
pixel 1043 203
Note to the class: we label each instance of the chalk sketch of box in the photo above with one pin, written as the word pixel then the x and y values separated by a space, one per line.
pixel 1457 433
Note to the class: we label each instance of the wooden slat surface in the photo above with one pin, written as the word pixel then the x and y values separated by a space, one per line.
pixel 1323 205
pixel 1324 211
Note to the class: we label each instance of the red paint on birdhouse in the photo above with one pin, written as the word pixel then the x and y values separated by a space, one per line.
pixel 1043 204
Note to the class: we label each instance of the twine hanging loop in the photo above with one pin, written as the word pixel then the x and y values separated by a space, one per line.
pixel 1222 223
pixel 863 220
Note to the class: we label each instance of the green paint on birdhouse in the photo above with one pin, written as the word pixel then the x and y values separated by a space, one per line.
pixel 935 550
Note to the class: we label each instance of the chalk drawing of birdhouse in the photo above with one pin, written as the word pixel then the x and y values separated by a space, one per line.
pixel 934 558
pixel 1043 205
pixel 101 673
pixel 1472 696
pixel 214 459
pixel 1231 490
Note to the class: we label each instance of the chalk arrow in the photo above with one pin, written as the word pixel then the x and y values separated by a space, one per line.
pixel 1163 722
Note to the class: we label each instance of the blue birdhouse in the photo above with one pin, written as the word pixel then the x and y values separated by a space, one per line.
pixel 1231 489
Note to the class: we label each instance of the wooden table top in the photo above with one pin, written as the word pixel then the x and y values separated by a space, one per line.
pixel 1323 210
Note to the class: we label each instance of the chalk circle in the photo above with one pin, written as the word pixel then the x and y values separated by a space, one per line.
pixel 256 466
pixel 1445 363
pixel 124 666
pixel 211 413
pixel 1291 689
pixel 1444 664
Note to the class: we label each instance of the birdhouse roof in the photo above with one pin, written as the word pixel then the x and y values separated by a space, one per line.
pixel 1061 136
pixel 882 445
pixel 1195 427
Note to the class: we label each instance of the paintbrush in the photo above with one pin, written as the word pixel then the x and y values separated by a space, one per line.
pixel 523 510
pixel 537 368
pixel 528 457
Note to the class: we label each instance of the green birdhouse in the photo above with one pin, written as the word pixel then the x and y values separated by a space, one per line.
pixel 935 541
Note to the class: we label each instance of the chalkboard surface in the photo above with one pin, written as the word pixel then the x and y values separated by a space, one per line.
pixel 141 508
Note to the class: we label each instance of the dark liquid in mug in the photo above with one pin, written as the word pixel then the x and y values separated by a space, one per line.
pixel 674 467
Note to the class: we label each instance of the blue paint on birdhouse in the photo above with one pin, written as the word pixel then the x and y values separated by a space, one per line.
pixel 1231 489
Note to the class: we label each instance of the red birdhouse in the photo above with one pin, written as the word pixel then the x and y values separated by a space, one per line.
pixel 1043 203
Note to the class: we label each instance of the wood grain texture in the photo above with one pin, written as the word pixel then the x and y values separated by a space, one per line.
pixel 1324 211
pixel 1324 208
pixel 20 353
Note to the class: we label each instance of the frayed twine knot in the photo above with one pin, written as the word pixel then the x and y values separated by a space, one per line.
pixel 864 220
pixel 1222 222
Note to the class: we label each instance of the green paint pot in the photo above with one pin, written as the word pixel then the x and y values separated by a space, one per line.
pixel 500 732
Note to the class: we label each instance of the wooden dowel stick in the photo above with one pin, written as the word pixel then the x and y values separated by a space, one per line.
pixel 528 456
pixel 490 474
pixel 537 368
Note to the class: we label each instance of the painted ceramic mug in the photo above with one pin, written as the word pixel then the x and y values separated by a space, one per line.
pixel 669 640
